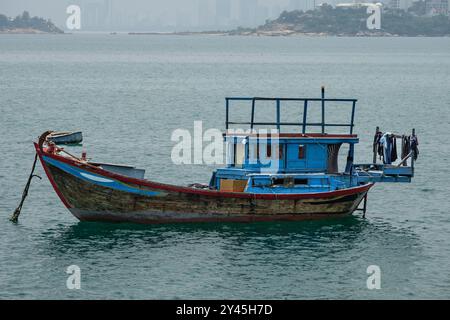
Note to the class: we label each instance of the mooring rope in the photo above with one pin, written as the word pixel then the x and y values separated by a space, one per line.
pixel 15 215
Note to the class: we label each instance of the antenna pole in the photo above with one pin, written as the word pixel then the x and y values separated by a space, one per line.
pixel 323 109
pixel 375 146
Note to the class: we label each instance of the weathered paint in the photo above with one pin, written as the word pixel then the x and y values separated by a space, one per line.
pixel 89 199
pixel 303 183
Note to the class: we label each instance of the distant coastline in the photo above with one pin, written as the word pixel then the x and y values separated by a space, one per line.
pixel 347 21
pixel 324 21
pixel 23 31
pixel 280 34
pixel 351 21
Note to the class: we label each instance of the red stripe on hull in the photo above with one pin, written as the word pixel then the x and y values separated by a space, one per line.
pixel 91 202
pixel 208 193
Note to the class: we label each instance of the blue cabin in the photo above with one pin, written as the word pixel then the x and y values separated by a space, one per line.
pixel 274 161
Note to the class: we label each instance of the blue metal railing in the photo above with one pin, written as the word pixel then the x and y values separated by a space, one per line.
pixel 304 124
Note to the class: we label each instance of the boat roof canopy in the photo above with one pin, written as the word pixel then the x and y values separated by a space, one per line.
pixel 303 123
pixel 303 137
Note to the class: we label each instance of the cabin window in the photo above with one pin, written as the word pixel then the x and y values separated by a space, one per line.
pixel 254 155
pixel 268 150
pixel 230 153
pixel 239 155
pixel 301 151
pixel 289 181
pixel 300 181
pixel 257 151
pixel 278 181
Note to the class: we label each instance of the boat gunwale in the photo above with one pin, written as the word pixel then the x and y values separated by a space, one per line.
pixel 63 133
pixel 182 189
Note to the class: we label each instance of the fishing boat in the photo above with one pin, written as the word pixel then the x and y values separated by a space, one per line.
pixel 305 184
pixel 65 137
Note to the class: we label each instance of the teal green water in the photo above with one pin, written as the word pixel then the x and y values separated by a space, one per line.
pixel 127 94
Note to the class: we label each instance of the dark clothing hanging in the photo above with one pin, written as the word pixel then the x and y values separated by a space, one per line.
pixel 406 147
pixel 393 148
pixel 385 145
pixel 377 147
pixel 410 144
pixel 414 146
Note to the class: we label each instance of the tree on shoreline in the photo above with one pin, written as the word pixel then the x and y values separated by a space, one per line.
pixel 352 21
pixel 25 21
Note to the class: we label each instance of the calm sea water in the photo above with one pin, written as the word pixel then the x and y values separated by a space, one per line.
pixel 128 93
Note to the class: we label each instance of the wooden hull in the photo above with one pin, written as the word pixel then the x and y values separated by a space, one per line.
pixel 92 194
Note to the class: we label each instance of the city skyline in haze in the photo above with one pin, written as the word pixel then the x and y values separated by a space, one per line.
pixel 153 15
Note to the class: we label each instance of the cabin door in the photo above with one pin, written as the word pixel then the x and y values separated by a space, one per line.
pixel 281 156
pixel 295 156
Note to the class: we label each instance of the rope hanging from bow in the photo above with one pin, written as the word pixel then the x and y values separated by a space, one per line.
pixel 15 215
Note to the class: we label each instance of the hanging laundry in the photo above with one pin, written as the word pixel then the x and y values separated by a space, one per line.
pixel 393 148
pixel 406 148
pixel 377 147
pixel 414 146
pixel 385 145
pixel 386 142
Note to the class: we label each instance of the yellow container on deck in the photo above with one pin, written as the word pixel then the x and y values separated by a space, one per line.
pixel 232 185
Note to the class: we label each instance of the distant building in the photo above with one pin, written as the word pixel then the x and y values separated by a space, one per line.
pixel 436 7
pixel 205 17
pixel 295 5
pixel 96 14
pixel 248 12
pixel 357 4
pixel 262 14
pixel 394 4
pixel 93 16
pixel 182 19
pixel 108 7
pixel 400 4
pixel 223 12
pixel 275 11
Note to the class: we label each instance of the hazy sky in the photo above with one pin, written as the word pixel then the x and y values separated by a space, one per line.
pixel 127 14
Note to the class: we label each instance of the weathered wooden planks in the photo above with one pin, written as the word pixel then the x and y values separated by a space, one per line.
pixel 88 201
